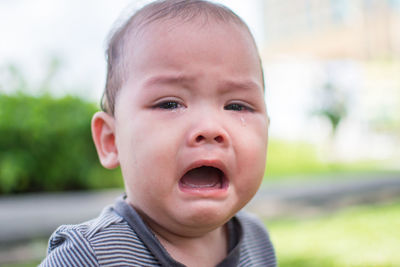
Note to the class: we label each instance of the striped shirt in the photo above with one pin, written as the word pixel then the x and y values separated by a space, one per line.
pixel 119 237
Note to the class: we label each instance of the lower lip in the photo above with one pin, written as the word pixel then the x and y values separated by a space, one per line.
pixel 205 192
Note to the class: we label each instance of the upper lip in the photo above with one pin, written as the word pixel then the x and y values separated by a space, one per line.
pixel 215 163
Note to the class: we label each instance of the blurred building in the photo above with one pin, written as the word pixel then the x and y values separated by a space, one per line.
pixel 361 29
pixel 352 45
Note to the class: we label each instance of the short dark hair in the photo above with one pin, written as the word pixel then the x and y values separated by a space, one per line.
pixel 186 10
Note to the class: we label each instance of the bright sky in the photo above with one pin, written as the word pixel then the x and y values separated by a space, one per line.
pixel 75 31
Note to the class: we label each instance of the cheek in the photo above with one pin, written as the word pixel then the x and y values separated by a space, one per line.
pixel 251 154
pixel 148 152
pixel 251 161
pixel 251 134
pixel 250 173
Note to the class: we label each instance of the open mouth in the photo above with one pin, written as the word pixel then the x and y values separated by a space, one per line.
pixel 204 177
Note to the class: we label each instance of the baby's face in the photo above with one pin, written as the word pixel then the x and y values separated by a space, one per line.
pixel 191 124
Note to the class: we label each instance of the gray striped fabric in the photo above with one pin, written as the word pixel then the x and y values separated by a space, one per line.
pixel 110 241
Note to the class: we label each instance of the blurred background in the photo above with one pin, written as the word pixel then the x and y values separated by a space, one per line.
pixel 331 193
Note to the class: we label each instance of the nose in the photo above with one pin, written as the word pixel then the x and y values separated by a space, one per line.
pixel 208 131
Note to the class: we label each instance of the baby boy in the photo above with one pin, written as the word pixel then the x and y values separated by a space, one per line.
pixel 184 117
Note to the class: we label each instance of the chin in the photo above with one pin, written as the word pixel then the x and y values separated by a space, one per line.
pixel 210 215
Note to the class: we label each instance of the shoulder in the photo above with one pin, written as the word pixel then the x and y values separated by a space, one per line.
pixel 71 244
pixel 256 247
pixel 97 243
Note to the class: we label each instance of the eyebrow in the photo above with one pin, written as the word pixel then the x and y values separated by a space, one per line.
pixel 246 85
pixel 168 79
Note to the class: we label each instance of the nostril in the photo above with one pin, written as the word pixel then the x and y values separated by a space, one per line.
pixel 219 139
pixel 199 138
pixel 204 138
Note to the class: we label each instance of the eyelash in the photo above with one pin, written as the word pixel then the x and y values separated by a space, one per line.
pixel 168 104
pixel 238 107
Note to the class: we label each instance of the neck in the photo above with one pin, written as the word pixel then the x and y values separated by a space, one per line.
pixel 207 249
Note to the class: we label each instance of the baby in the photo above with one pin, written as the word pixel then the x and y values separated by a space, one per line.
pixel 184 117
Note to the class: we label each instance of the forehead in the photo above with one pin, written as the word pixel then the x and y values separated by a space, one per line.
pixel 208 38
pixel 200 17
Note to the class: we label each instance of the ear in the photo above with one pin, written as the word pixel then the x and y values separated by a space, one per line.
pixel 103 133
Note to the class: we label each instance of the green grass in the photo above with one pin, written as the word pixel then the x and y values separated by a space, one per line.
pixel 289 159
pixel 27 264
pixel 356 237
pixel 23 254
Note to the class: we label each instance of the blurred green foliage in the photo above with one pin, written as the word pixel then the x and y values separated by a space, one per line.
pixel 359 237
pixel 46 145
pixel 300 160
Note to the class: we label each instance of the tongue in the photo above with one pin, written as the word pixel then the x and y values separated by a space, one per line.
pixel 203 177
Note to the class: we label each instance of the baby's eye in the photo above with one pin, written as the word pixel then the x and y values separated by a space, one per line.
pixel 237 107
pixel 168 105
